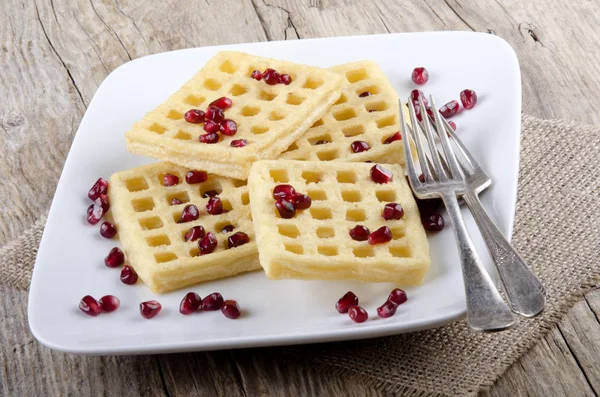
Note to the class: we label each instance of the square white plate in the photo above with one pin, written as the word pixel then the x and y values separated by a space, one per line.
pixel 70 259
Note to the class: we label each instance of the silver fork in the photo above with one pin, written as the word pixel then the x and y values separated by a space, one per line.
pixel 486 311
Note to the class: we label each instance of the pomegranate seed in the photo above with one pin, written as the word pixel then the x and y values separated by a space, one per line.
pixel 359 233
pixel 359 146
pixel 365 94
pixel 392 211
pixel 420 76
pixel 449 109
pixel 396 137
pixel 208 244
pixel 190 303
pixel 212 302
pixel 211 126
pixel 417 108
pixel 231 309
pixel 285 208
pixel 227 228
pixel 429 206
pixel 215 114
pixel 429 111
pixel 380 175
pixel 90 306
pixel 358 314
pixel 422 178
pixel 194 116
pixel 108 230
pixel 128 275
pixel 175 201
pixel 237 239
pixel 150 309
pixel 195 233
pixel 256 75
pixel 433 222
pixel 194 176
pixel 284 192
pixel 468 98
pixel 284 79
pixel 452 124
pixel 239 143
pixel 100 187
pixel 271 76
pixel 170 180
pixel 388 309
pixel 321 142
pixel 210 193
pixel 381 235
pixel 397 296
pixel 115 258
pixel 211 137
pixel 346 302
pixel 222 103
pixel 109 303
pixel 301 201
pixel 94 214
pixel 228 127
pixel 189 213
pixel 415 95
pixel 103 202
pixel 214 206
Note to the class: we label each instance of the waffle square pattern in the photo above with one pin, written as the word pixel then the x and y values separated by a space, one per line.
pixel 146 213
pixel 316 244
pixel 269 117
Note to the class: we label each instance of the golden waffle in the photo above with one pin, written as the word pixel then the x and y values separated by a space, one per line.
pixel 371 119
pixel 270 117
pixel 154 241
pixel 316 244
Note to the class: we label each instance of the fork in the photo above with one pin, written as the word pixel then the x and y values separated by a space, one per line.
pixel 486 311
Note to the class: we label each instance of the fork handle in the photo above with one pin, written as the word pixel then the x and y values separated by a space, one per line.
pixel 486 311
pixel 524 292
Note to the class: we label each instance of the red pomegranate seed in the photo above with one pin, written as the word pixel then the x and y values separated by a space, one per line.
pixel 420 76
pixel 285 79
pixel 237 239
pixel 103 202
pixel 170 180
pixel 381 235
pixel 284 191
pixel 433 222
pixel 359 233
pixel 189 213
pixel 396 137
pixel 208 244
pixel 109 303
pixel 392 211
pixel 94 214
pixel 190 303
pixel 417 108
pixel 271 76
pixel 194 116
pixel 388 309
pixel 346 302
pixel 128 275
pixel 108 230
pixel 358 314
pixel 449 109
pixel 115 258
pixel 175 201
pixel 239 143
pixel 90 306
pixel 215 114
pixel 194 176
pixel 195 233
pixel 429 111
pixel 222 103
pixel 231 309
pixel 301 201
pixel 415 95
pixel 150 309
pixel 468 98
pixel 422 178
pixel 256 75
pixel 380 175
pixel 285 208
pixel 365 94
pixel 100 187
pixel 212 127
pixel 227 228
pixel 210 193
pixel 321 142
pixel 453 125
pixel 397 296
pixel 212 302
pixel 228 127
pixel 359 146
pixel 214 206
pixel 211 137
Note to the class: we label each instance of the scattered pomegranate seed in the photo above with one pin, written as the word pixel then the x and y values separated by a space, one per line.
pixel 212 302
pixel 417 108
pixel 90 306
pixel 452 124
pixel 103 202
pixel 210 193
pixel 433 222
pixel 150 309
pixel 115 258
pixel 237 239
pixel 365 94
pixel 170 180
pixel 215 114
pixel 194 116
pixel 380 175
pixel 301 201
pixel 231 309
pixel 189 213
pixel 359 233
pixel 381 235
pixel 285 208
pixel 94 214
pixel 228 127
pixel 239 143
pixel 128 275
pixel 449 109
pixel 194 176
pixel 108 230
pixel 392 211
pixel 358 314
pixel 195 233
pixel 214 206
pixel 396 137
pixel 212 127
pixel 429 206
pixel 222 103
pixel 256 75
pixel 175 201
pixel 346 302
pixel 109 303
pixel 285 79
pixel 100 187
pixel 284 191
pixel 415 95
pixel 321 142
pixel 429 111
pixel 420 76
pixel 211 137
pixel 190 303
pixel 397 296
pixel 208 244
pixel 468 98
pixel 359 146
pixel 388 309
pixel 227 229
pixel 271 76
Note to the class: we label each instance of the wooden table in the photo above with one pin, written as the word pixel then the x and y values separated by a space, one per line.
pixel 54 55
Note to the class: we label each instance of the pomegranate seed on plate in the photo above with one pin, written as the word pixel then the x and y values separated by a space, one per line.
pixel 468 98
pixel 90 306
pixel 115 258
pixel 194 116
pixel 285 208
pixel 359 233
pixel 415 95
pixel 195 233
pixel 396 137
pixel 359 146
pixel 422 178
pixel 108 230
pixel 365 94
pixel 449 109
pixel 346 302
pixel 237 239
pixel 94 214
pixel 388 309
pixel 228 127
pixel 189 213
pixel 190 303
pixel 284 191
pixel 214 206
pixel 301 201
pixel 392 211
pixel 170 180
pixel 285 79
pixel 215 114
pixel 321 142
pixel 271 76
pixel 433 222
pixel 452 124
pixel 358 314
pixel 239 143
pixel 103 202
pixel 150 309
pixel 194 176
pixel 210 193
pixel 420 76
pixel 222 103
pixel 208 244
pixel 100 187
pixel 227 228
pixel 109 303
pixel 380 175
pixel 397 296
pixel 429 111
pixel 231 309
pixel 381 235
pixel 211 126
pixel 212 302
pixel 128 275
pixel 175 201
pixel 256 75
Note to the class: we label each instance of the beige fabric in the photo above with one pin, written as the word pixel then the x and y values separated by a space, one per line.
pixel 556 230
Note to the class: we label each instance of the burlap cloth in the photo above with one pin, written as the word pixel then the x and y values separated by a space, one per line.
pixel 557 230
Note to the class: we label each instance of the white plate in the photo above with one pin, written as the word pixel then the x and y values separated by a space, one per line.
pixel 70 259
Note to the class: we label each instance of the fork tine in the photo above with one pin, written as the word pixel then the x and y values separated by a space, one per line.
pixel 475 167
pixel 410 166
pixel 450 157
pixel 420 150
pixel 435 156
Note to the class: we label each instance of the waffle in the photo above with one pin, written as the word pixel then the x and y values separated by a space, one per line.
pixel 270 117
pixel 154 241
pixel 315 244
pixel 372 119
